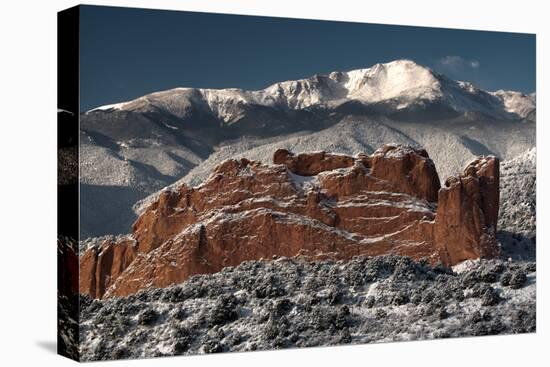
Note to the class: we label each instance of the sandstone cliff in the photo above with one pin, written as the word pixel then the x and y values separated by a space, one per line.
pixel 315 205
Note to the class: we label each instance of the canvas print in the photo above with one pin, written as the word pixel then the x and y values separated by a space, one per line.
pixel 236 183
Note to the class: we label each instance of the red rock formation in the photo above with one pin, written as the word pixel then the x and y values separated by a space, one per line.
pixel 317 205
pixel 311 164
pixel 101 266
pixel 467 213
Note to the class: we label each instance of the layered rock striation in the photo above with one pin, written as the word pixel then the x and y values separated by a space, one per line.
pixel 313 205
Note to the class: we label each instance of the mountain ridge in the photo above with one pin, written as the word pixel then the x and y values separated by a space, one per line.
pixel 402 81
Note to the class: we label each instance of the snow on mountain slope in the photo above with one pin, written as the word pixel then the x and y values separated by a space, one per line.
pixel 114 175
pixel 401 79
pixel 518 193
pixel 402 82
pixel 516 102
pixel 517 222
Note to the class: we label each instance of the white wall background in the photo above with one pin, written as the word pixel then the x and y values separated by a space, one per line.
pixel 28 180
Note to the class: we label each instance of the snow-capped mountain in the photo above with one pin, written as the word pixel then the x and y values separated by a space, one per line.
pixel 132 149
pixel 398 85
pixel 518 103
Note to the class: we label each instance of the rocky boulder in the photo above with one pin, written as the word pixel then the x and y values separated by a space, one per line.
pixel 311 164
pixel 467 213
pixel 316 206
pixel 101 266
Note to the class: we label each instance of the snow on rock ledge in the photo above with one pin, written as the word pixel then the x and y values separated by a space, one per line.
pixel 389 202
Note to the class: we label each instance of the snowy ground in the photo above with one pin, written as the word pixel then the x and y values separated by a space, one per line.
pixel 288 303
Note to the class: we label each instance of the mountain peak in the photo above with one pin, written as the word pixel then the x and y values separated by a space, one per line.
pixel 408 64
pixel 400 84
pixel 403 79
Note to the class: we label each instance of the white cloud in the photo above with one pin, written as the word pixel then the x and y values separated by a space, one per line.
pixel 457 63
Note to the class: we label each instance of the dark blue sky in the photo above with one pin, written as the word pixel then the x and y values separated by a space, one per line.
pixel 126 53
